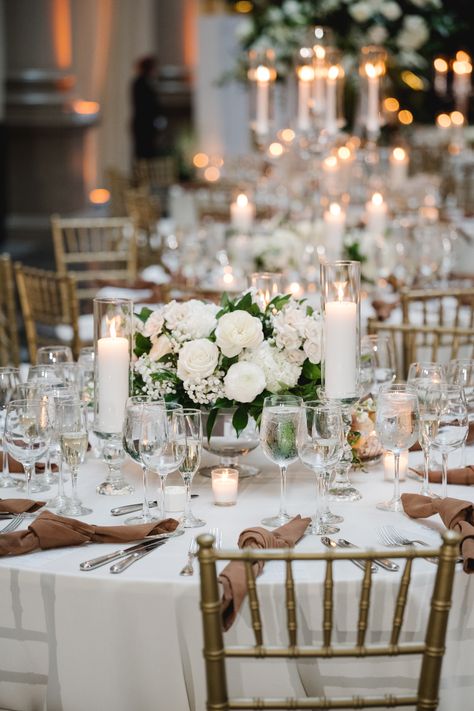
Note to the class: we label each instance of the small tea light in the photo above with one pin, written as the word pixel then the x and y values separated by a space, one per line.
pixel 225 482
pixel 389 465
pixel 175 498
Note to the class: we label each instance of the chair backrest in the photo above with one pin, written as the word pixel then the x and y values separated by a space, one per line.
pixel 431 649
pixel 118 184
pixel 156 173
pixel 47 300
pixel 95 250
pixel 9 343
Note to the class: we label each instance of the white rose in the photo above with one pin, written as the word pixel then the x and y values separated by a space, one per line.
pixel 154 323
pixel 281 373
pixel 236 331
pixel 377 34
pixel 197 359
pixel 161 347
pixel 361 11
pixel 244 381
pixel 413 34
pixel 287 337
pixel 391 10
pixel 313 351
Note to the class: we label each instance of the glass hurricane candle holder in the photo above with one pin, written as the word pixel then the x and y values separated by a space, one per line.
pixel 262 75
pixel 320 39
pixel 305 80
pixel 334 115
pixel 372 68
pixel 113 336
pixel 267 285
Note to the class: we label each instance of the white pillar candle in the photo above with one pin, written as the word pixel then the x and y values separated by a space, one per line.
pixel 462 70
pixel 331 100
pixel 262 121
pixel 225 483
pixel 113 363
pixel 340 348
pixel 376 214
pixel 305 78
pixel 399 162
pixel 334 228
pixel 389 465
pixel 331 182
pixel 373 119
pixel 175 498
pixel 441 76
pixel 242 213
pixel 319 84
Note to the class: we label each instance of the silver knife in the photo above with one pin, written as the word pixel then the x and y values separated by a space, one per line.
pixel 131 508
pixel 384 563
pixel 104 559
pixel 329 543
pixel 130 559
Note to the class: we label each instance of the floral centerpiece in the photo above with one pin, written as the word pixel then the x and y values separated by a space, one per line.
pixel 232 356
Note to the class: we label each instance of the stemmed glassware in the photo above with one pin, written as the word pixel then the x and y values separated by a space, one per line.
pixel 380 347
pixel 461 372
pixel 46 372
pixel 160 433
pixel 279 428
pixel 320 447
pixel 189 425
pixel 71 423
pixel 397 423
pixel 446 423
pixel 53 395
pixel 422 376
pixel 27 434
pixel 53 354
pixel 9 381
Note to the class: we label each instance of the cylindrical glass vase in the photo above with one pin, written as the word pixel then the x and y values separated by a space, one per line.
pixel 113 341
pixel 267 286
pixel 372 69
pixel 262 75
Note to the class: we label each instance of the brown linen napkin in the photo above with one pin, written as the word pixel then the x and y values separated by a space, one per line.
pixel 15 467
pixel 455 514
pixel 51 531
pixel 383 309
pixel 17 506
pixel 463 476
pixel 233 577
pixel 469 440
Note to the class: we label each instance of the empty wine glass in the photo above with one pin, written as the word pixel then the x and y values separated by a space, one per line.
pixel 281 419
pixel 27 434
pixel 397 422
pixel 9 382
pixel 461 372
pixel 446 423
pixel 71 424
pixel 44 372
pixel 53 395
pixel 53 354
pixel 157 447
pixel 320 447
pixel 381 349
pixel 190 442
pixel 72 374
pixel 422 376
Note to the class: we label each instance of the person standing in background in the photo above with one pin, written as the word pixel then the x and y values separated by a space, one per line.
pixel 145 109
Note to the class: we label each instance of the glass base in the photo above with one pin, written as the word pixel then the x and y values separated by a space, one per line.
pixel 192 522
pixel 140 518
pixel 36 487
pixel 329 517
pixel 322 529
pixel 75 510
pixel 343 492
pixel 118 487
pixel 244 470
pixel 278 520
pixel 428 492
pixel 58 502
pixel 392 505
pixel 6 481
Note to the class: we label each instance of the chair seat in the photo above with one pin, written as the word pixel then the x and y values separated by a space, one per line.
pixel 86 330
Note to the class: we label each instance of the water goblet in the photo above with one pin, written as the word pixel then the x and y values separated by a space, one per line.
pixel 53 395
pixel 446 424
pixel 190 442
pixel 9 382
pixel 54 354
pixel 381 349
pixel 397 423
pixel 43 372
pixel 279 427
pixel 71 423
pixel 461 372
pixel 320 447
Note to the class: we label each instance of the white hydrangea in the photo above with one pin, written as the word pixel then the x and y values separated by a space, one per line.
pixel 391 10
pixel 413 34
pixel 377 34
pixel 156 390
pixel 205 391
pixel 280 372
pixel 361 11
pixel 190 319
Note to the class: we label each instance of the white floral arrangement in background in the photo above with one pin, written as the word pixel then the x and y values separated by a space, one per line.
pixel 233 356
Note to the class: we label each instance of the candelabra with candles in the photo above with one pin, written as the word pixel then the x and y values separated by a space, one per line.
pixel 320 39
pixel 462 72
pixel 262 75
pixel 372 68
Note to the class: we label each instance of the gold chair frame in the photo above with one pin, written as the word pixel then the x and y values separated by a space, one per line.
pixel 432 649
pixel 9 342
pixel 156 173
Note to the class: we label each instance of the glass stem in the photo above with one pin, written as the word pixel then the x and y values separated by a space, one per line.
pixel 60 479
pixel 74 483
pixel 162 496
pixel 187 503
pixel 444 475
pixel 318 504
pixel 28 473
pixel 396 481
pixel 283 511
pixel 146 508
pixel 463 454
pixel 426 472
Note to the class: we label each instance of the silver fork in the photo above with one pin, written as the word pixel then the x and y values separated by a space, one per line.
pixel 392 537
pixel 13 524
pixel 193 551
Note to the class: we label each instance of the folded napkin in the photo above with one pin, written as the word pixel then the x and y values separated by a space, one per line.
pixel 51 531
pixel 18 506
pixel 463 476
pixel 15 467
pixel 455 514
pixel 469 440
pixel 383 309
pixel 233 577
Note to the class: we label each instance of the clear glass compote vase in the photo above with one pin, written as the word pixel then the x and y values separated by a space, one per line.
pixel 227 445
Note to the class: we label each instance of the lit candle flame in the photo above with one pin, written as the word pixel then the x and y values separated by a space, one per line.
pixel 262 74
pixel 335 209
pixel 305 73
pixel 377 199
pixel 340 288
pixel 333 72
pixel 242 200
pixel 399 154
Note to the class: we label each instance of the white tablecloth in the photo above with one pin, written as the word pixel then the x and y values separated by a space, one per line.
pixel 71 641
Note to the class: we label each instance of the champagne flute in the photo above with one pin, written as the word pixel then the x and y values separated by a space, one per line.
pixel 132 430
pixel 190 441
pixel 397 423
pixel 448 423
pixel 53 354
pixel 461 372
pixel 281 416
pixel 9 382
pixel 54 394
pixel 157 446
pixel 320 447
pixel 27 434
pixel 422 376
pixel 71 419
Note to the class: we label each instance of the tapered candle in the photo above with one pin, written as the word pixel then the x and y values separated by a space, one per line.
pixel 305 79
pixel 242 213
pixel 441 76
pixel 373 119
pixel 340 346
pixel 263 77
pixel 376 214
pixel 331 100
pixel 399 162
pixel 334 228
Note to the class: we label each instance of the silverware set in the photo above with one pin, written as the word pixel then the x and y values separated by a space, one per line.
pixel 15 522
pixel 131 508
pixel 384 563
pixel 390 536
pixel 193 549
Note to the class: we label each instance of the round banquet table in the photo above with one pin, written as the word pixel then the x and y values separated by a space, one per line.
pixel 72 640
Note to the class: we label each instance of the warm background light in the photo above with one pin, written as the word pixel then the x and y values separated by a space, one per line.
pixel 243 6
pixel 457 118
pixel 399 153
pixel 212 173
pixel 344 153
pixel 99 196
pixel 275 149
pixel 443 121
pixel 405 117
pixel 440 64
pixel 200 160
pixel 391 104
pixel 86 107
pixel 305 73
pixel 287 135
pixel 413 81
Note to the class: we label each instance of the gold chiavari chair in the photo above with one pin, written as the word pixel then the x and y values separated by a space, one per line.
pixel 95 250
pixel 9 343
pixel 145 209
pixel 118 184
pixel 432 649
pixel 48 303
pixel 156 173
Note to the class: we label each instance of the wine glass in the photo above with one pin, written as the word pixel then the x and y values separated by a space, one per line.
pixel 9 381
pixel 320 447
pixel 132 431
pixel 422 376
pixel 461 372
pixel 71 425
pixel 157 446
pixel 86 360
pixel 27 434
pixel 446 423
pixel 190 442
pixel 53 354
pixel 381 349
pixel 45 372
pixel 281 416
pixel 397 423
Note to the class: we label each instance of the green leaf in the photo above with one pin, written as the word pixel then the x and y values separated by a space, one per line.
pixel 311 371
pixel 279 302
pixel 211 421
pixel 142 344
pixel 144 313
pixel 240 419
pixel 245 303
